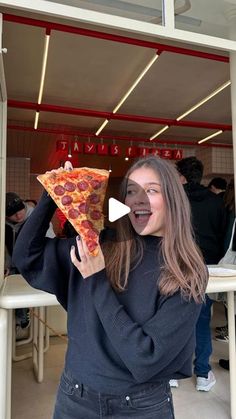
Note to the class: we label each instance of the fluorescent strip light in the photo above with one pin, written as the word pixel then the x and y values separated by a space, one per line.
pixel 102 126
pixel 226 84
pixel 210 136
pixel 43 72
pixel 139 78
pixel 44 65
pixel 36 120
pixel 159 132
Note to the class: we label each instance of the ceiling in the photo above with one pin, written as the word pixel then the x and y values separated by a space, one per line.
pixel 91 74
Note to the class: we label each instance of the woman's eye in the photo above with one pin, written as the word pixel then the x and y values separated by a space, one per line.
pixel 130 192
pixel 152 191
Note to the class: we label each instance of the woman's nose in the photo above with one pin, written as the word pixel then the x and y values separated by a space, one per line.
pixel 141 197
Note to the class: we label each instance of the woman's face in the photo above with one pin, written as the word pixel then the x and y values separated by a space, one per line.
pixel 144 197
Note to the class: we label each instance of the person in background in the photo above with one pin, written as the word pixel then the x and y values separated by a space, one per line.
pixel 229 202
pixel 31 202
pixel 222 334
pixel 230 258
pixel 17 212
pixel 132 308
pixel 218 186
pixel 209 218
pixel 7 262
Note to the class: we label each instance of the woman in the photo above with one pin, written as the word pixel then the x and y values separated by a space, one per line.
pixel 132 309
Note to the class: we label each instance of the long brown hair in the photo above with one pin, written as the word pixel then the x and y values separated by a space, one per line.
pixel 183 267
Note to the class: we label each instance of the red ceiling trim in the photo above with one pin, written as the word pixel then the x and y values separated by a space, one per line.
pixel 109 115
pixel 57 109
pixel 171 122
pixel 113 137
pixel 111 37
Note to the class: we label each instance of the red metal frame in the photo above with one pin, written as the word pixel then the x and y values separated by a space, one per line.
pixel 76 133
pixel 109 115
pixel 111 37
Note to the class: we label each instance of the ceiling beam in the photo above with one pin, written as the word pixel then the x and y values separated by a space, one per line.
pixel 76 133
pixel 111 116
pixel 112 37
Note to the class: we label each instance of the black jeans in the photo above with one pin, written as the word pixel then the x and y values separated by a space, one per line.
pixel 76 401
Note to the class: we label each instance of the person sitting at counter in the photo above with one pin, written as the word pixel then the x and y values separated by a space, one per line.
pixel 17 212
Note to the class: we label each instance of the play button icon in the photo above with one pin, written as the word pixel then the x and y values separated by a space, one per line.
pixel 116 209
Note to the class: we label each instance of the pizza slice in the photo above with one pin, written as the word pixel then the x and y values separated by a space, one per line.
pixel 79 193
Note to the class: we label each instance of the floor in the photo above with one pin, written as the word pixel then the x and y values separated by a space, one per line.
pixel 31 400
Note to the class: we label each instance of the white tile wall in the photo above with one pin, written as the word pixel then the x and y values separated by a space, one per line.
pixel 222 161
pixel 18 176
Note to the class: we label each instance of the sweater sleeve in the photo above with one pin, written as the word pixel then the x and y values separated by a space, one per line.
pixel 150 348
pixel 43 262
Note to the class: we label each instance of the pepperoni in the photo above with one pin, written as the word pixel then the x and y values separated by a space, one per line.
pixel 95 215
pixel 91 245
pixel 86 224
pixel 94 198
pixel 82 186
pixel 73 213
pixel 92 234
pixel 83 208
pixel 66 200
pixel 96 184
pixel 59 190
pixel 70 186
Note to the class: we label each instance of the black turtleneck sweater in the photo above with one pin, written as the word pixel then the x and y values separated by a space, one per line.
pixel 117 342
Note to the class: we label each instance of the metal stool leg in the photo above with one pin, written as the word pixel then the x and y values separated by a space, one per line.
pixel 16 357
pixel 9 365
pixel 4 363
pixel 38 344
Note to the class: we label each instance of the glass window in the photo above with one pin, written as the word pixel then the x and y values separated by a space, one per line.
pixel 145 11
pixel 208 17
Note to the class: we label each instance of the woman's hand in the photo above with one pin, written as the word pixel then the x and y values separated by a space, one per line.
pixel 68 166
pixel 89 264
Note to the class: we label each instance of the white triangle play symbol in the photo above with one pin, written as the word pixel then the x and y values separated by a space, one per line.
pixel 116 209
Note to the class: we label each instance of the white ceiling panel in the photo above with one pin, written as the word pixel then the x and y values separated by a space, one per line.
pixel 94 74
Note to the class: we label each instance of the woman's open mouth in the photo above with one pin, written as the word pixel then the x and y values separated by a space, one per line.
pixel 142 216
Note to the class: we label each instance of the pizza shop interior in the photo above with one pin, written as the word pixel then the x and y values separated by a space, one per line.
pixel 100 84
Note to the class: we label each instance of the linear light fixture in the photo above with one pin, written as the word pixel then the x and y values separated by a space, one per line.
pixel 36 120
pixel 44 65
pixel 159 132
pixel 210 136
pixel 123 99
pixel 69 152
pixel 102 126
pixel 139 78
pixel 211 95
pixel 43 72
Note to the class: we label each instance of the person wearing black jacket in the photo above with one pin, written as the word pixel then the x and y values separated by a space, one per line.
pixel 209 220
pixel 17 212
pixel 132 308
